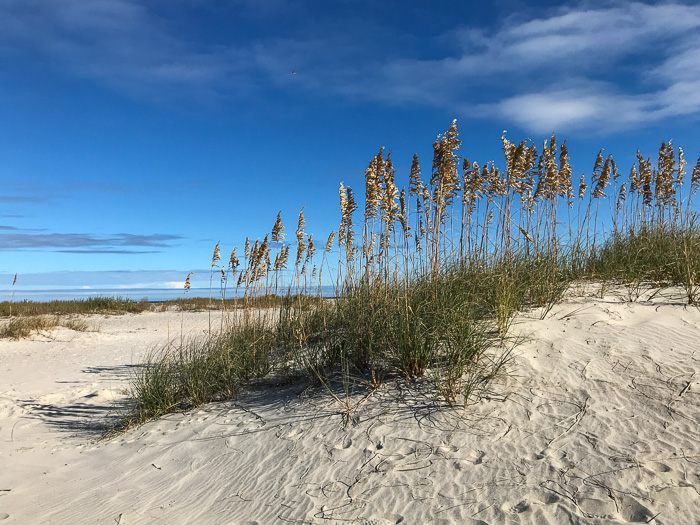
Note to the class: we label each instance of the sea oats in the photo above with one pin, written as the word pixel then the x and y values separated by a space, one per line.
pixel 603 178
pixel 278 229
pixel 301 250
pixel 233 261
pixel 681 168
pixel 216 257
pixel 403 212
pixel 373 176
pixel 343 226
pixel 301 224
pixel 388 205
pixel 694 181
pixel 622 197
pixel 633 179
pixel 415 184
pixel 281 259
pixel 350 208
pixel 551 170
pixel 664 190
pixel 329 243
pixel 311 249
pixel 278 258
pixel 268 263
pixel 301 246
pixel 540 189
pixel 582 187
pixel 646 176
pixel 566 188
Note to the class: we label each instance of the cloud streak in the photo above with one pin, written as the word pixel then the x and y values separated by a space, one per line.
pixel 85 243
pixel 109 278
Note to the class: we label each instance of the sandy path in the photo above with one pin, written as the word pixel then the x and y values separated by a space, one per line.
pixel 600 425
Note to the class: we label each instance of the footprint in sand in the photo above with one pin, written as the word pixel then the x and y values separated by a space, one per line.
pixel 347 443
pixel 342 449
pixel 659 467
pixel 477 457
pixel 4 515
pixel 520 507
pixel 634 512
pixel 446 450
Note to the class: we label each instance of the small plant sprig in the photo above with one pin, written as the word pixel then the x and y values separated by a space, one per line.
pixel 12 299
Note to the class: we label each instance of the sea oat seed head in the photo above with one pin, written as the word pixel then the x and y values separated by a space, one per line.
pixel 278 229
pixel 217 255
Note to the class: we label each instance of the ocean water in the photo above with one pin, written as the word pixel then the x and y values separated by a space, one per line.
pixel 135 294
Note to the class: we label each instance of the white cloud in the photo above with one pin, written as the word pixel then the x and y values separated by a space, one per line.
pixel 179 285
pixel 553 111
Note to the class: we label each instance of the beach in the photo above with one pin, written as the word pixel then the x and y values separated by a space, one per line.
pixel 595 421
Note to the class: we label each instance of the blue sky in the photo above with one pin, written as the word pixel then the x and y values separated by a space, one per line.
pixel 136 134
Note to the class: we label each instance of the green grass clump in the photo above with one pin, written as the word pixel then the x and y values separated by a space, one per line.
pixel 200 370
pixel 660 254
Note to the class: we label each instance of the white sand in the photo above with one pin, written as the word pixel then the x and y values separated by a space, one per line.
pixel 600 425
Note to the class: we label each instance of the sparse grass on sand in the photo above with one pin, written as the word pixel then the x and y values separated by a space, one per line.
pixel 22 327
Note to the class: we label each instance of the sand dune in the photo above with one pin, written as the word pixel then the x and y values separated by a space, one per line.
pixel 597 423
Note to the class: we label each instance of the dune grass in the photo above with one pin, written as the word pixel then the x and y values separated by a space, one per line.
pixel 91 305
pixel 430 277
pixel 23 327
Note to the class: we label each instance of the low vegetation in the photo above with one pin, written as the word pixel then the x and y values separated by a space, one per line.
pixel 22 327
pixel 91 305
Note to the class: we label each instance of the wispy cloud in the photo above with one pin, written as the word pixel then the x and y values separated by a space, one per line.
pixel 95 187
pixel 118 42
pixel 167 278
pixel 14 228
pixel 14 199
pixel 84 242
pixel 579 66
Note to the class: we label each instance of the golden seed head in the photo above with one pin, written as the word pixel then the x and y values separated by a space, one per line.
pixel 582 187
pixel 329 243
pixel 622 196
pixel 694 178
pixel 216 257
pixel 681 168
pixel 278 229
